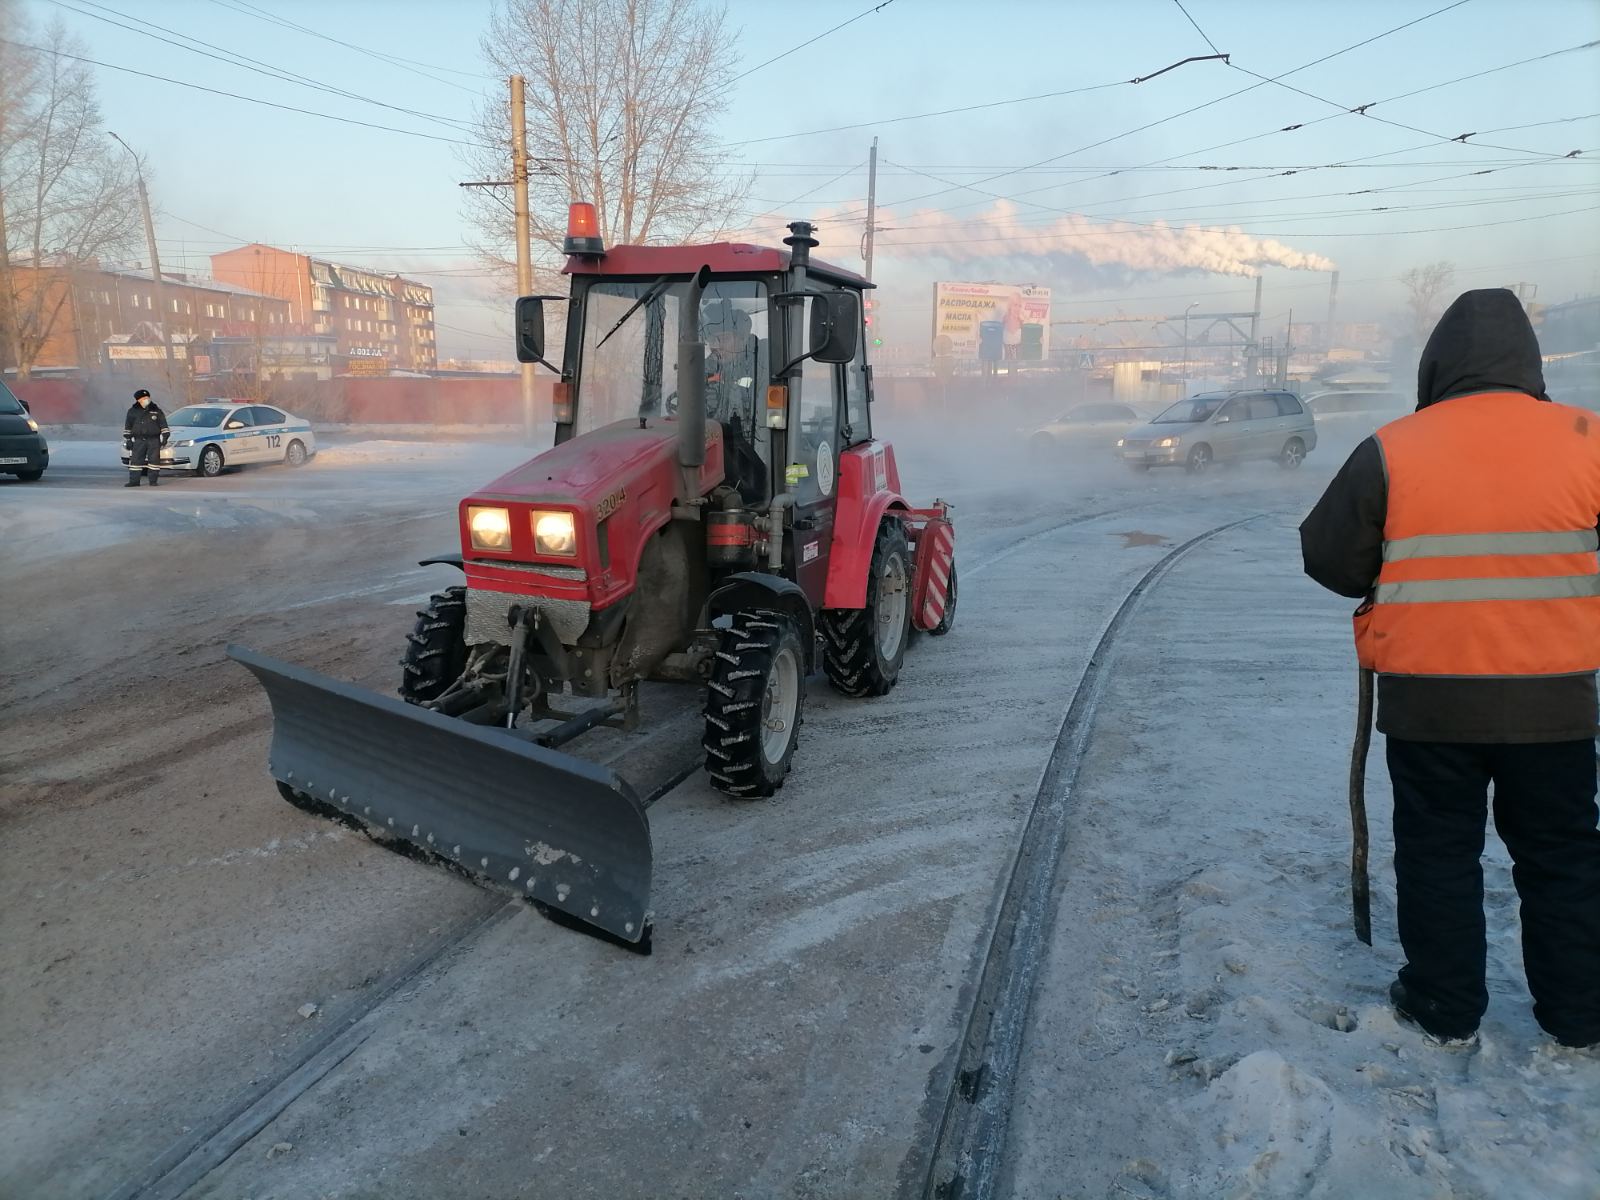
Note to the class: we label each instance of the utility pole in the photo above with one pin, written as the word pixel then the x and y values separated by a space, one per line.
pixel 872 206
pixel 155 266
pixel 519 191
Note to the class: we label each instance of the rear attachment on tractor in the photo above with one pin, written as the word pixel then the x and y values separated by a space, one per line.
pixel 522 819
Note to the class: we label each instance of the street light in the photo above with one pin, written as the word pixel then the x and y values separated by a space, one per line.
pixel 1193 304
pixel 155 259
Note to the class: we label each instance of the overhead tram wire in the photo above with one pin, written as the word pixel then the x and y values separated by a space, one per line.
pixel 943 112
pixel 247 63
pixel 1131 226
pixel 1082 210
pixel 309 112
pixel 1194 109
pixel 1272 172
pixel 1295 127
pixel 1140 230
pixel 244 8
pixel 1196 25
pixel 793 49
pixel 777 210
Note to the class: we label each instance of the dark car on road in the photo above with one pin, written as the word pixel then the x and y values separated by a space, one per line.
pixel 23 450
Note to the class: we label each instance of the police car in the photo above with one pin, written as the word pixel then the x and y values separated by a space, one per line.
pixel 209 436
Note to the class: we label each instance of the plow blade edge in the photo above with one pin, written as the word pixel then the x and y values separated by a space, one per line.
pixel 511 815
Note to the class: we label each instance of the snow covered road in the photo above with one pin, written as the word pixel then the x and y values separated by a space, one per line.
pixel 1205 1024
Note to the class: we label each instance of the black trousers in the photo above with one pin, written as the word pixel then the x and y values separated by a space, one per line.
pixel 1544 811
pixel 146 453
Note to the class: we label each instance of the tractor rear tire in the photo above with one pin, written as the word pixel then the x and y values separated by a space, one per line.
pixel 436 649
pixel 863 648
pixel 755 703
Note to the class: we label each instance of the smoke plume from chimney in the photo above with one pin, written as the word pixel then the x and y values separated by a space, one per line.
pixel 1083 248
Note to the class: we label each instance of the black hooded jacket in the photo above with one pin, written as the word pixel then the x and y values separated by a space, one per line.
pixel 1482 343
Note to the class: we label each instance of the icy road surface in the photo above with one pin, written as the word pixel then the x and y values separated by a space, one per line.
pixel 1205 1023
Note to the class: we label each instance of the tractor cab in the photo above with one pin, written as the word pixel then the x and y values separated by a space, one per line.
pixel 764 344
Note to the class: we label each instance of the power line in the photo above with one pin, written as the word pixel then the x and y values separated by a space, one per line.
pixel 93 62
pixel 249 64
pixel 792 49
pixel 1196 25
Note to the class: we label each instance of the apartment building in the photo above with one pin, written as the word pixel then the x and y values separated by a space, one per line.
pixel 380 322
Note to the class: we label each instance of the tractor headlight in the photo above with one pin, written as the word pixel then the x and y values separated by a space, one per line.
pixel 1166 443
pixel 490 528
pixel 554 533
pixel 1121 442
pixel 33 425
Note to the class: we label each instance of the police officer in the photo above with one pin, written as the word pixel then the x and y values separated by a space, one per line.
pixel 144 432
pixel 1468 530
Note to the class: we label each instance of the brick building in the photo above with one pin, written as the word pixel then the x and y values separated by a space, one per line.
pixel 380 322
pixel 100 316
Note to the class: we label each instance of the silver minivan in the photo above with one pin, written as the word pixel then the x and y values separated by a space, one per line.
pixel 1223 427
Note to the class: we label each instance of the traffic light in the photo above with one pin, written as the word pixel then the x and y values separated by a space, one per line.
pixel 877 341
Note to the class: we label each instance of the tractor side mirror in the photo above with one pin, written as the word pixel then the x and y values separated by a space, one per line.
pixel 530 329
pixel 25 405
pixel 835 326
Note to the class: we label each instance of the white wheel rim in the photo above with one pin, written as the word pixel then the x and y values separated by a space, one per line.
pixel 891 606
pixel 780 705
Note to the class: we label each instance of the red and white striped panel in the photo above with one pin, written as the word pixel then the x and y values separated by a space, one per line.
pixel 936 554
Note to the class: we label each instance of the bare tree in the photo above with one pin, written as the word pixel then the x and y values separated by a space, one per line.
pixel 1425 288
pixel 622 96
pixel 63 193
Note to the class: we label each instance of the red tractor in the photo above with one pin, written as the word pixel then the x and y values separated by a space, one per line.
pixel 715 511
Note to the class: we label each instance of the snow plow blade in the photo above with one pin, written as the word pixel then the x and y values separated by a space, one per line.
pixel 510 815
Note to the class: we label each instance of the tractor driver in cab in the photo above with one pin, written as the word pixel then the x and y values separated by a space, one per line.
pixel 733 358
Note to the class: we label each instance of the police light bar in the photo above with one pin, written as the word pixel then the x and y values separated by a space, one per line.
pixel 583 231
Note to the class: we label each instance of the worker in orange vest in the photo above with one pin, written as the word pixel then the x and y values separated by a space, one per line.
pixel 1469 531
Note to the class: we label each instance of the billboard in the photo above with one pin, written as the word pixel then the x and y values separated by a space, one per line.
pixel 991 321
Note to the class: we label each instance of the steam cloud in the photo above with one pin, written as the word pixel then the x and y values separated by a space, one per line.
pixel 1104 252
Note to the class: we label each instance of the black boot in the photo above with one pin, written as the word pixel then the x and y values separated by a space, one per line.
pixel 155 478
pixel 133 479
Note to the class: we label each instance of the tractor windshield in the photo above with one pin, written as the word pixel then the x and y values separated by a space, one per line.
pixel 631 370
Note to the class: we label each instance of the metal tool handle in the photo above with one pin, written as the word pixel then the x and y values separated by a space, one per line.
pixel 1360 889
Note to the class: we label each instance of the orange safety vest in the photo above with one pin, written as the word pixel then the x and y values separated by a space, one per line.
pixel 1489 543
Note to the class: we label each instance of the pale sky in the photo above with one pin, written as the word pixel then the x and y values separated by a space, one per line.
pixel 225 170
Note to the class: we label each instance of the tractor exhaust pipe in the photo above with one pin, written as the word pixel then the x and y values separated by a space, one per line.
pixel 692 375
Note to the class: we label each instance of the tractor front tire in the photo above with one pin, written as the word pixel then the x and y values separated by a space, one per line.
pixel 863 648
pixel 755 702
pixel 436 649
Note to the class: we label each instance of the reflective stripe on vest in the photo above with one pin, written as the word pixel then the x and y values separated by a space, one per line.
pixel 1462 545
pixel 1491 561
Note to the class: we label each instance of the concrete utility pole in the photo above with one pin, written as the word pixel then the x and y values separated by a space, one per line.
pixel 1253 355
pixel 155 266
pixel 519 191
pixel 1193 304
pixel 872 207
